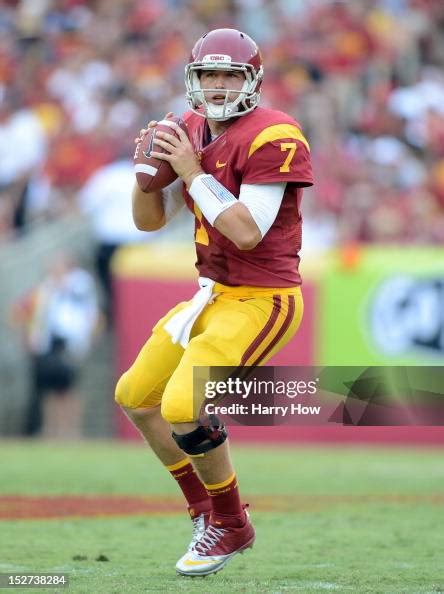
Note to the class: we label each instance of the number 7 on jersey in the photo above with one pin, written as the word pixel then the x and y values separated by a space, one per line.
pixel 291 148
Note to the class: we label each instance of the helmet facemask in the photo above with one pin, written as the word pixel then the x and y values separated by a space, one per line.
pixel 247 97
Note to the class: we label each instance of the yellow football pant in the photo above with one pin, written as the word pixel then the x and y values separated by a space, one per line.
pixel 243 326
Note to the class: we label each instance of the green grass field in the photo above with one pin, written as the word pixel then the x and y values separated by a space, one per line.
pixel 340 519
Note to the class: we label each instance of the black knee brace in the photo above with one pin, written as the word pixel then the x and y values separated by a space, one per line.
pixel 203 439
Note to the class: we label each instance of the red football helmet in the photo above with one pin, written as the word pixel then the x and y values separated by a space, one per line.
pixel 225 49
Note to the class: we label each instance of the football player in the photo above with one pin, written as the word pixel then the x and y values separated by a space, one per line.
pixel 242 170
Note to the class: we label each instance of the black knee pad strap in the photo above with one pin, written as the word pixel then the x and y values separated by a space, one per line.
pixel 203 439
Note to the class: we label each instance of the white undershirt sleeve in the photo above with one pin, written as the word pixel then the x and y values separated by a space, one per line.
pixel 173 200
pixel 263 202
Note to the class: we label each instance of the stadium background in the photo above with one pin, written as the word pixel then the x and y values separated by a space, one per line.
pixel 77 81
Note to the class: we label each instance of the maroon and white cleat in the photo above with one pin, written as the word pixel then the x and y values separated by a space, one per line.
pixel 219 543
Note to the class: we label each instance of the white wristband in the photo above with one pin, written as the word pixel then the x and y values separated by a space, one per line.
pixel 210 196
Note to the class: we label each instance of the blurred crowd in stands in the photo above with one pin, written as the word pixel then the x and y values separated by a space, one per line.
pixel 365 78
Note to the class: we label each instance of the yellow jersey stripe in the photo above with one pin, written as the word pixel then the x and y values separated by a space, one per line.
pixel 277 132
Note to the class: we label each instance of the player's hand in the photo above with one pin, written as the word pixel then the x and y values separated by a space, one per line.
pixel 180 155
pixel 143 132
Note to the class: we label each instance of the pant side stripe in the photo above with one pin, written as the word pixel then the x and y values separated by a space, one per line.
pixel 286 324
pixel 277 305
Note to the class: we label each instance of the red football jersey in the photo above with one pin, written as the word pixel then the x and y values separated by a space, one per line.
pixel 262 147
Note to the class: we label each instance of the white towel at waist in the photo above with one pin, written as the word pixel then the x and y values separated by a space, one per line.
pixel 180 325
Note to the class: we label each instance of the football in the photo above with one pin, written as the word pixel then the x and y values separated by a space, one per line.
pixel 154 174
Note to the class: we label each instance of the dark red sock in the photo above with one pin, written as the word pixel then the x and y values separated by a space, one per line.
pixel 191 486
pixel 226 501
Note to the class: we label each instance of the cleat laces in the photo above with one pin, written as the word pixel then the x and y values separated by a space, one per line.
pixel 198 530
pixel 210 538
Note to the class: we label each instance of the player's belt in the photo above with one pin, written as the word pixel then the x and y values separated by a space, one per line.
pixel 250 291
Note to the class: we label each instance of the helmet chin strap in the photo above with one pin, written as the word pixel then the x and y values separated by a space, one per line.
pixel 222 113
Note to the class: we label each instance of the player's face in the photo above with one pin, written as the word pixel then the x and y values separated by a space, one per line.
pixel 219 81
